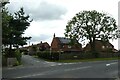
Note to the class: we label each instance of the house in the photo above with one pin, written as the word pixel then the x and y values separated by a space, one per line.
pixel 44 46
pixel 63 44
pixel 37 47
pixel 100 46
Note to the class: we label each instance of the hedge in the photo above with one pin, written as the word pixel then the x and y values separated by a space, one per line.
pixel 48 55
pixel 73 55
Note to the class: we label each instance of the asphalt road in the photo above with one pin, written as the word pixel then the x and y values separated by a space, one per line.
pixel 36 68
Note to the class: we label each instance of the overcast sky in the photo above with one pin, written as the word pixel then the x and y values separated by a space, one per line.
pixel 51 16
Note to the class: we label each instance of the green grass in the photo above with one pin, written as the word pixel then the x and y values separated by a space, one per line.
pixel 85 60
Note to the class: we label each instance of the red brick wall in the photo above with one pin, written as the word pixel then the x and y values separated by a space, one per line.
pixel 55 44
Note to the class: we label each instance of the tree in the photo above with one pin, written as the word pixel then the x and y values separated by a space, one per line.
pixel 91 25
pixel 19 23
pixel 13 28
pixel 6 16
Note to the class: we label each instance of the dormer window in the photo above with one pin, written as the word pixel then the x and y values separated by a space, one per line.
pixel 69 46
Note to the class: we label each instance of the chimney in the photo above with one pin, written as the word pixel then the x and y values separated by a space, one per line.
pixel 41 42
pixel 54 35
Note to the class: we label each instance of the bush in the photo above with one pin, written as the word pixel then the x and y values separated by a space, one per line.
pixel 25 52
pixel 55 55
pixel 16 64
pixel 18 56
pixel 43 54
pixel 48 55
pixel 9 53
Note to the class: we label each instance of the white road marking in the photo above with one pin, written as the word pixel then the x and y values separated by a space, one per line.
pixel 57 64
pixel 49 72
pixel 77 68
pixel 37 61
pixel 107 64
pixel 10 68
pixel 53 65
pixel 114 63
pixel 60 64
pixel 31 75
pixel 111 63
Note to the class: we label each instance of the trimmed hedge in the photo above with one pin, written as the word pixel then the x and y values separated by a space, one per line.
pixel 73 55
pixel 48 55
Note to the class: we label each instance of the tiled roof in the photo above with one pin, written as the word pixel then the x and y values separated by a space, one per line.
pixel 64 40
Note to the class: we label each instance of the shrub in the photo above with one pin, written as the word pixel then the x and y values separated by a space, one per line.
pixel 18 55
pixel 48 55
pixel 16 64
pixel 43 54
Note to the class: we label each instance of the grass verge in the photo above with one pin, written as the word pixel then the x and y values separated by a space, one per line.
pixel 84 60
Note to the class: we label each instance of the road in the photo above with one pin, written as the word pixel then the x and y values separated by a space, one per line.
pixel 37 68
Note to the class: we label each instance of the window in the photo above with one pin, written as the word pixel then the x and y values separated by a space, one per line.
pixel 103 47
pixel 107 46
pixel 69 46
pixel 110 46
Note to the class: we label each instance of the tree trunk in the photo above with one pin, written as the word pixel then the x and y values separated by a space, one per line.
pixel 10 51
pixel 93 49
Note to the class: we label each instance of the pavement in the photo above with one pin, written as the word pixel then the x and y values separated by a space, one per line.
pixel 38 68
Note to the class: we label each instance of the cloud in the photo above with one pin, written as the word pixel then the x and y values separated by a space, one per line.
pixel 41 37
pixel 40 10
pixel 47 11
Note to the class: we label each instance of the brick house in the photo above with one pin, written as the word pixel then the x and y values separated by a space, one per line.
pixel 63 44
pixel 44 46
pixel 100 46
pixel 37 47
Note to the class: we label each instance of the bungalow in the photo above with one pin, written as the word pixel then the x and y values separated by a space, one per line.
pixel 63 44
pixel 100 46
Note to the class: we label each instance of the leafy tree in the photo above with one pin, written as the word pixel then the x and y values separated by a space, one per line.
pixel 6 16
pixel 19 23
pixel 13 28
pixel 91 25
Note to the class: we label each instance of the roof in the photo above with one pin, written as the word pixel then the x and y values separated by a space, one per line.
pixel 99 42
pixel 64 40
pixel 104 43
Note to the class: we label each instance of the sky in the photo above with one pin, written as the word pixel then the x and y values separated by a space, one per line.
pixel 51 16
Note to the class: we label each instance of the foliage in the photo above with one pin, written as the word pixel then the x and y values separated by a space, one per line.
pixel 6 16
pixel 34 48
pixel 17 63
pixel 16 26
pixel 48 55
pixel 13 27
pixel 91 25
pixel 18 55
pixel 44 54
